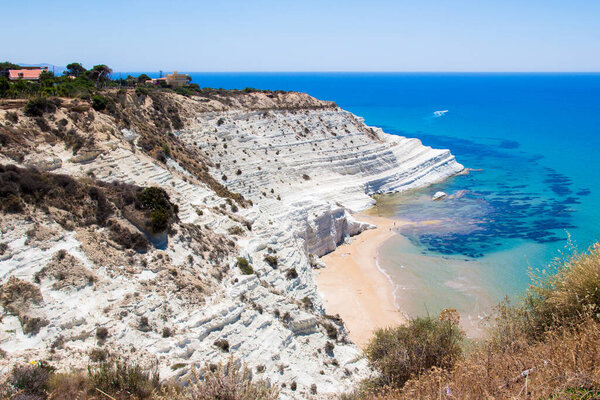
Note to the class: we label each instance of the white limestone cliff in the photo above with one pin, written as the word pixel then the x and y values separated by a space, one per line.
pixel 306 166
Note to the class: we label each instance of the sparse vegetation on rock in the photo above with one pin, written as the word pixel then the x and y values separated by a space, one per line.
pixel 244 266
pixel 291 273
pixel 272 260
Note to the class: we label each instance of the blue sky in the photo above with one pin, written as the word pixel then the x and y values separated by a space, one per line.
pixel 261 35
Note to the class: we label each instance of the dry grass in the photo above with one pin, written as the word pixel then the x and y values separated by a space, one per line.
pixel 120 380
pixel 229 381
pixel 567 292
pixel 557 367
pixel 545 347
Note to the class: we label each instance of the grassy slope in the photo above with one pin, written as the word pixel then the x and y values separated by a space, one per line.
pixel 546 346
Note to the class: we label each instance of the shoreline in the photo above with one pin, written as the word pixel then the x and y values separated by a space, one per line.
pixel 354 286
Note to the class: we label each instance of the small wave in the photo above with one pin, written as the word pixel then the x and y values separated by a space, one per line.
pixel 440 113
pixel 395 287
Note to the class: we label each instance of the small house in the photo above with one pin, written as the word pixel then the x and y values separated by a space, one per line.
pixel 26 73
pixel 177 79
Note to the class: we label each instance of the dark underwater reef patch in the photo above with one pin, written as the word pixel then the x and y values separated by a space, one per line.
pixel 513 197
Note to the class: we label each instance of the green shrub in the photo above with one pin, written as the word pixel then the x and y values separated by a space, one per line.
pixel 99 102
pixel 106 104
pixel 332 332
pixel 36 107
pixel 271 260
pixel 32 379
pixel 159 220
pixel 245 266
pixel 121 378
pixel 308 303
pixel 142 91
pixel 329 346
pixel 101 333
pixel 236 230
pixel 99 355
pixel 13 204
pixel 291 273
pixel 144 324
pixel 153 198
pixel 408 351
pixel 223 344
pixel 156 201
pixel 166 150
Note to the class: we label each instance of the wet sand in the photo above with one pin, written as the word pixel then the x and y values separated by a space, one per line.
pixel 352 286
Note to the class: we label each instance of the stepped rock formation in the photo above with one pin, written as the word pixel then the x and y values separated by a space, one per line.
pixel 301 167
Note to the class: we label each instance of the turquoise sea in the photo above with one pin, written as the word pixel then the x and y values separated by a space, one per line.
pixel 534 141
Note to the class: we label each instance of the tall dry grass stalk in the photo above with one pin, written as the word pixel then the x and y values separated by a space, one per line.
pixel 229 381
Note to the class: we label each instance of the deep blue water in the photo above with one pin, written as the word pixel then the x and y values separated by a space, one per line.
pixel 535 138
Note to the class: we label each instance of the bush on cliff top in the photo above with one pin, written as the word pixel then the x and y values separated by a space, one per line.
pixel 37 106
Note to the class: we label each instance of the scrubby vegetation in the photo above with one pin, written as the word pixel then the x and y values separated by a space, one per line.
pixel 95 90
pixel 244 266
pixel 271 260
pixel 229 381
pixel 546 346
pixel 75 82
pixel 291 273
pixel 37 106
pixel 120 380
pixel 410 350
pixel 87 202
pixel 19 298
pixel 156 201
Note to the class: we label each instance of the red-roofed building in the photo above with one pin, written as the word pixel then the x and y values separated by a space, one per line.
pixel 28 74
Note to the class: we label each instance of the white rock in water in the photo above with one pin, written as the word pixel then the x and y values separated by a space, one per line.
pixel 438 196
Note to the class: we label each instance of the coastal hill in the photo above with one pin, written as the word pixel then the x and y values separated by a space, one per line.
pixel 179 229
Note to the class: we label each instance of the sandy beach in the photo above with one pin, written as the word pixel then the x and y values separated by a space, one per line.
pixel 353 287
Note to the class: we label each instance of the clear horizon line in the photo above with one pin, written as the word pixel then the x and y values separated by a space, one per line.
pixel 367 72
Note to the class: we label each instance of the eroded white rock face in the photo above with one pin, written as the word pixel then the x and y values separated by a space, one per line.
pixel 305 171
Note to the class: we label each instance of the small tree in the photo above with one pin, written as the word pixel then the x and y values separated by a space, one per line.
pixel 75 69
pixel 100 74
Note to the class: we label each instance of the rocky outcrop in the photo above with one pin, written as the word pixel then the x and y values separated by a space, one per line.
pixel 304 165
